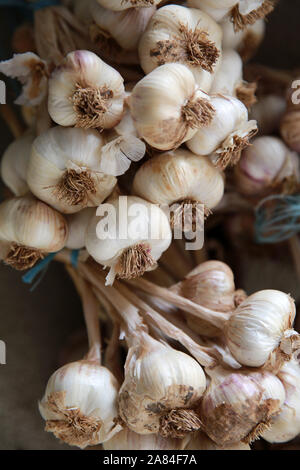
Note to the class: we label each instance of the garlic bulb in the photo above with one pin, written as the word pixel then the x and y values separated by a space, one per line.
pixel 130 239
pixel 227 134
pixel 80 404
pixel 184 35
pixel 77 225
pixel 247 41
pixel 126 26
pixel 28 230
pixel 14 164
pixel 237 406
pixel 286 425
pixel 129 440
pixel 160 399
pixel 118 5
pixel 266 165
pixel 180 177
pixel 257 331
pixel 168 107
pixel 200 441
pixel 268 112
pixel 85 92
pixel 65 169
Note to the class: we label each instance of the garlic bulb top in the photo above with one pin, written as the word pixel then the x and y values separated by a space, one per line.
pixel 168 107
pixel 77 225
pixel 160 399
pixel 137 234
pixel 126 26
pixel 201 441
pixel 179 176
pixel 85 92
pixel 227 134
pixel 65 169
pixel 130 440
pixel 14 164
pixel 118 5
pixel 258 326
pixel 286 425
pixel 80 404
pixel 29 229
pixel 265 165
pixel 184 35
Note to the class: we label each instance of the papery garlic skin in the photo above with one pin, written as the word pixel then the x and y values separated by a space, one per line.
pixel 217 9
pixel 77 225
pixel 129 440
pixel 229 73
pixel 286 425
pixel 118 5
pixel 167 107
pixel 257 327
pixel 126 26
pixel 200 441
pixel 85 92
pixel 28 230
pixel 179 176
pixel 184 35
pixel 247 41
pixel 130 253
pixel 237 406
pixel 80 404
pixel 14 164
pixel 265 165
pixel 65 169
pixel 151 391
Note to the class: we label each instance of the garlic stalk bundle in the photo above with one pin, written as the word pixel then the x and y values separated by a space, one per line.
pixel 126 26
pixel 228 79
pixel 227 134
pixel 286 425
pixel 184 35
pixel 200 441
pixel 32 72
pixel 168 107
pixel 245 42
pixel 130 440
pixel 14 164
pixel 77 225
pixel 237 406
pixel 65 169
pixel 29 229
pixel 136 236
pixel 160 399
pixel 180 177
pixel 85 92
pixel 268 112
pixel 267 165
pixel 119 5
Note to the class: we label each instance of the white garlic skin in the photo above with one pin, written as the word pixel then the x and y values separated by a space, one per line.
pixel 268 112
pixel 157 103
pixel 129 440
pixel 77 224
pixel 126 26
pixel 119 5
pixel 89 388
pixel 179 175
pixel 257 326
pixel 286 425
pixel 59 149
pixel 85 69
pixel 149 391
pixel 165 25
pixel 245 41
pixel 31 223
pixel 229 74
pixel 217 9
pixel 201 441
pixel 14 164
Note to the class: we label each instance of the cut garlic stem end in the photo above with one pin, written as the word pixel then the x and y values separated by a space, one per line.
pixel 241 21
pixel 22 257
pixel 90 104
pixel 74 187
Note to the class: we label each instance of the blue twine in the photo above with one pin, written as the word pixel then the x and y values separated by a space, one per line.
pixel 74 258
pixel 277 218
pixel 33 6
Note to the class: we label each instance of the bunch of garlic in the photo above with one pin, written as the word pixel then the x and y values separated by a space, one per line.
pixel 168 107
pixel 183 35
pixel 85 92
pixel 128 235
pixel 29 229
pixel 227 134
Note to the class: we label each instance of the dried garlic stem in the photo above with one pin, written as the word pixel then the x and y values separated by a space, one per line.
pixel 242 21
pixel 112 354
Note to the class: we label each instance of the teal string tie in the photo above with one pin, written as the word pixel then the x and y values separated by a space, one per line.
pixel 277 218
pixel 74 258
pixel 33 6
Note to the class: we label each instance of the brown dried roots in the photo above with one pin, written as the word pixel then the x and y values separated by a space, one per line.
pixel 22 257
pixel 245 92
pixel 74 187
pixel 134 262
pixel 90 104
pixel 74 427
pixel 140 3
pixel 198 113
pixel 178 423
pixel 232 154
pixel 189 216
pixel 242 21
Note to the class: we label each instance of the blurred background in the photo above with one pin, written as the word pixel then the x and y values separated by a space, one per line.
pixel 43 328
